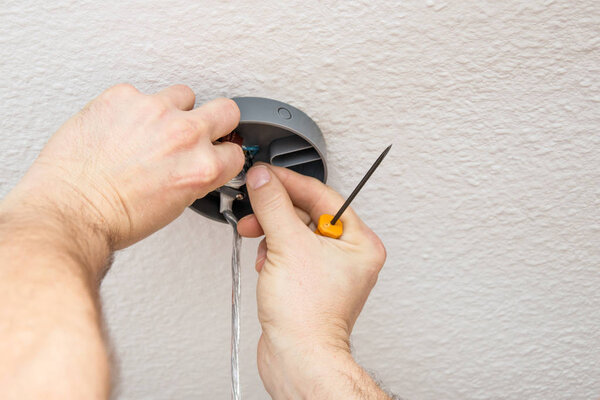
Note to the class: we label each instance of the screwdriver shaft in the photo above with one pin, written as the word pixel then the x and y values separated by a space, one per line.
pixel 360 185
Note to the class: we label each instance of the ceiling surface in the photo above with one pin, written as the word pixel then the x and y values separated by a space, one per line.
pixel 488 203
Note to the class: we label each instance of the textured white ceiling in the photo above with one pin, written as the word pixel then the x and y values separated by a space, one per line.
pixel 488 203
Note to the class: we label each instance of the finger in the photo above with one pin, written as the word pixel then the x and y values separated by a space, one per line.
pixel 209 166
pixel 230 158
pixel 316 198
pixel 271 204
pixel 261 255
pixel 218 117
pixel 181 96
pixel 248 226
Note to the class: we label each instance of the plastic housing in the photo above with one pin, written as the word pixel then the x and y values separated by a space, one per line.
pixel 285 137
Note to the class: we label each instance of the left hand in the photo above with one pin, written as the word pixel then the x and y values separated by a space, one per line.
pixel 129 163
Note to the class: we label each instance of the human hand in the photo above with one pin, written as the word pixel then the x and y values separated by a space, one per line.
pixel 123 167
pixel 311 288
pixel 129 163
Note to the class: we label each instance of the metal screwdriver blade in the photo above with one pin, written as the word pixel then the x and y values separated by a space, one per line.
pixel 360 185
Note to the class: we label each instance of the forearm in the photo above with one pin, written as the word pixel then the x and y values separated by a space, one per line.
pixel 51 341
pixel 121 169
pixel 343 378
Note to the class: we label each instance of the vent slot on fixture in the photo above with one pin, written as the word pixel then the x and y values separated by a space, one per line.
pixel 292 151
pixel 313 168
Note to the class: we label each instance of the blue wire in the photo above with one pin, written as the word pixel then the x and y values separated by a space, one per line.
pixel 251 149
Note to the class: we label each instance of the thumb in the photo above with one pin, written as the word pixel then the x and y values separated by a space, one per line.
pixel 271 203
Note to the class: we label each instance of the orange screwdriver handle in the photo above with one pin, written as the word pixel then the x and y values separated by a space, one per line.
pixel 324 227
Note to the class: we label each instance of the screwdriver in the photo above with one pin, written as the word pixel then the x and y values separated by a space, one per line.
pixel 330 225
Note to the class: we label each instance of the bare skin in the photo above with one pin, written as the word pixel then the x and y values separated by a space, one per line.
pixel 311 288
pixel 124 167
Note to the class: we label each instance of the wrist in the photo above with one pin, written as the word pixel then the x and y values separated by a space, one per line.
pixel 302 370
pixel 316 371
pixel 40 225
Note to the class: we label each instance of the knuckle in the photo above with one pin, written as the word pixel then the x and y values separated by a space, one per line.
pixel 187 90
pixel 182 134
pixel 238 158
pixel 157 107
pixel 117 93
pixel 208 171
pixel 241 158
pixel 121 90
pixel 376 253
pixel 232 108
pixel 380 253
pixel 200 125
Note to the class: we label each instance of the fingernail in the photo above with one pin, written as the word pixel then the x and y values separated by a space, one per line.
pixel 258 176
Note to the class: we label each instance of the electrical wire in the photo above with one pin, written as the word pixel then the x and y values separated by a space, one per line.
pixel 235 305
pixel 226 209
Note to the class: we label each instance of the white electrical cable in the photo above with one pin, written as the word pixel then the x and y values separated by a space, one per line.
pixel 226 204
pixel 235 306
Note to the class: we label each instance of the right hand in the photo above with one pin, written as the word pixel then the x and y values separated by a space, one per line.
pixel 311 288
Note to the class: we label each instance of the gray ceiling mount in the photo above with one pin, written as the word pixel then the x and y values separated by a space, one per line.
pixel 276 133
